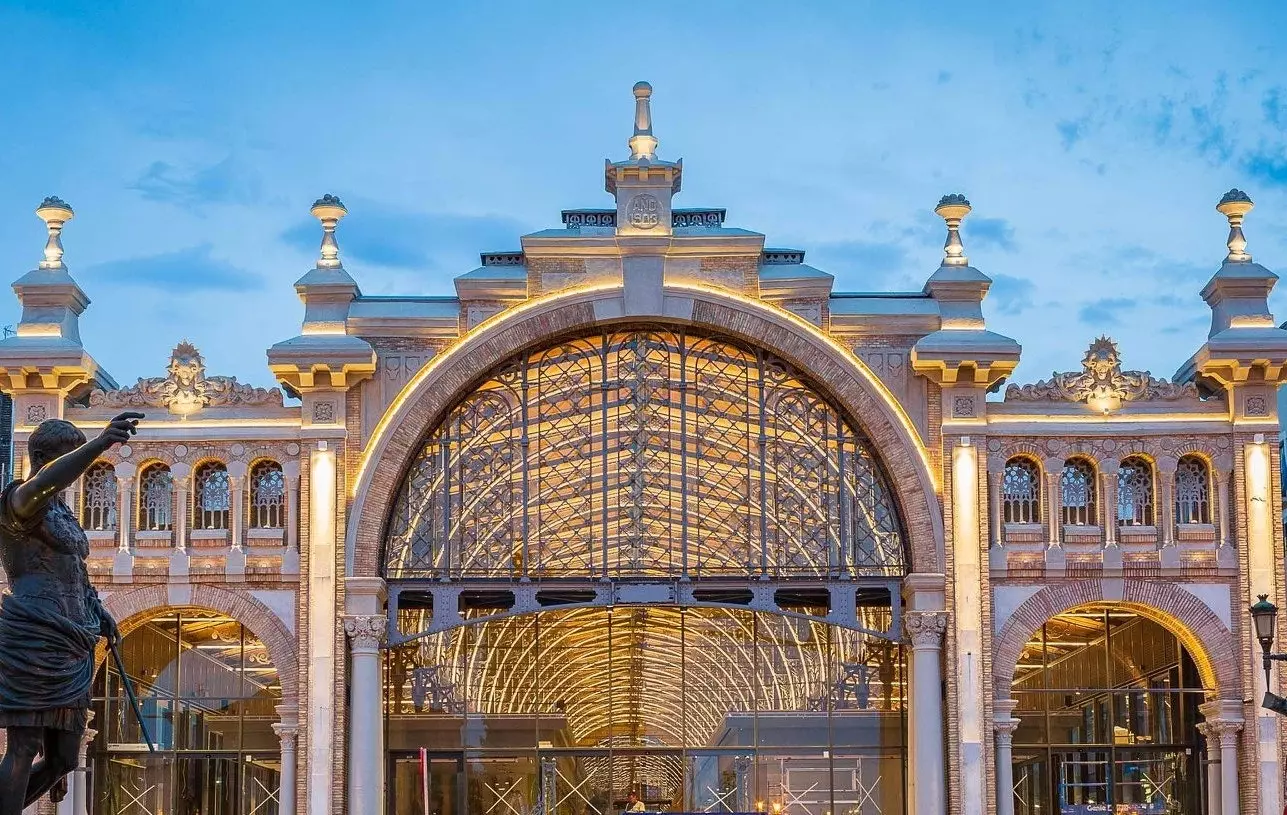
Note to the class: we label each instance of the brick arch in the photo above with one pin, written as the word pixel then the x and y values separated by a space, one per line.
pixel 445 380
pixel 1212 644
pixel 134 607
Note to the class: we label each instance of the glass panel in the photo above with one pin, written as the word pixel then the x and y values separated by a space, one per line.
pixel 418 785
pixel 206 786
pixel 1155 783
pixel 1082 781
pixel 644 452
pixel 139 784
pixel 261 784
pixel 1031 783
pixel 500 785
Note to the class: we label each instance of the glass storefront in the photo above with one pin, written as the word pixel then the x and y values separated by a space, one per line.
pixel 208 693
pixel 698 710
pixel 1108 709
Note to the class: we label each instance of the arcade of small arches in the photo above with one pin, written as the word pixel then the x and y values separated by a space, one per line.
pixel 217 497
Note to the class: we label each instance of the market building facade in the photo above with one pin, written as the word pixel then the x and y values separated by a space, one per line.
pixel 647 507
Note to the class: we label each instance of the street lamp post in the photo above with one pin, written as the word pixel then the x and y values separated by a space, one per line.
pixel 1264 618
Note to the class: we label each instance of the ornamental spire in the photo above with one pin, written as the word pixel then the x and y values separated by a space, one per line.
pixel 643 145
pixel 55 212
pixel 329 210
pixel 953 209
pixel 1235 205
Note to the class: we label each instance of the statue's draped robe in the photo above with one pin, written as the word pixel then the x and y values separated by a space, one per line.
pixel 49 619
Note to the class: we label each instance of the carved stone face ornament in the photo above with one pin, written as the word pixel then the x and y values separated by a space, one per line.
pixel 1102 384
pixel 186 389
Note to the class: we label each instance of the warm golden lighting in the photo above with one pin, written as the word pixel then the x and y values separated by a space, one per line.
pixel 321 618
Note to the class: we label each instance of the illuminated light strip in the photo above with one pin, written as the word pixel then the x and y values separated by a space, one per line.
pixel 1097 418
pixel 587 294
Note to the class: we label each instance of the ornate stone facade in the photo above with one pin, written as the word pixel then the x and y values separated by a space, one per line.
pixel 652 423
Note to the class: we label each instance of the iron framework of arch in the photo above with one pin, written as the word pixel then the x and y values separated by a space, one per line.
pixel 642 465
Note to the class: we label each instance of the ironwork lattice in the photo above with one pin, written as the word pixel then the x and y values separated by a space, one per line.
pixel 98 497
pixel 644 452
pixel 1192 491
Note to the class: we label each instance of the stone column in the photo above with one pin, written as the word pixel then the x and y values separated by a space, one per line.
pixel 1218 500
pixel 1166 500
pixel 1054 501
pixel 1108 494
pixel 181 514
pixel 1004 724
pixel 292 509
pixel 996 523
pixel 124 513
pixel 287 731
pixel 1227 731
pixel 1213 768
pixel 925 629
pixel 366 725
pixel 236 509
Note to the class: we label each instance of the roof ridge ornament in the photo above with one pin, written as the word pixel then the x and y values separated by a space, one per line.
pixel 1102 383
pixel 55 212
pixel 643 145
pixel 186 389
pixel 953 208
pixel 1235 205
pixel 329 210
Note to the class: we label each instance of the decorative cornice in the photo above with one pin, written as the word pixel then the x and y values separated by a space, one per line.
pixel 1102 383
pixel 925 629
pixel 186 389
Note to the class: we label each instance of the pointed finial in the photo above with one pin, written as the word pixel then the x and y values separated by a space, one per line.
pixel 55 212
pixel 1235 205
pixel 329 210
pixel 643 145
pixel 953 208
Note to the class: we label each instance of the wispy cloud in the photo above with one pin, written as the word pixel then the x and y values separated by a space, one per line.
pixel 1011 295
pixel 227 182
pixel 987 232
pixel 440 241
pixel 187 271
pixel 869 264
pixel 1106 312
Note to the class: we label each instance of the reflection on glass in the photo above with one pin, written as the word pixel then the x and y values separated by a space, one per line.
pixel 1108 709
pixel 694 710
pixel 208 693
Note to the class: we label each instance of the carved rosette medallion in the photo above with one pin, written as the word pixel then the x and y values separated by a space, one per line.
pixel 186 389
pixel 366 632
pixel 925 629
pixel 644 211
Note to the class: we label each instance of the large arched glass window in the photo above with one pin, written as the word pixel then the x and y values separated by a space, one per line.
pixel 1021 492
pixel 211 497
pixel 1108 708
pixel 1135 492
pixel 1192 491
pixel 267 495
pixel 644 452
pixel 208 691
pixel 156 499
pixel 98 497
pixel 1077 493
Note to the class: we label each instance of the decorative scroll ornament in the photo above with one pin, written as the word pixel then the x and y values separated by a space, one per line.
pixel 1102 383
pixel 925 629
pixel 367 632
pixel 186 389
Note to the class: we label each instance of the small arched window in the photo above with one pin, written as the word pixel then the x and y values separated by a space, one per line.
pixel 156 499
pixel 212 496
pixel 1192 491
pixel 1135 492
pixel 1077 493
pixel 98 497
pixel 1021 492
pixel 267 496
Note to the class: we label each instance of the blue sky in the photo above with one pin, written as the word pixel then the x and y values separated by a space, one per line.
pixel 1093 139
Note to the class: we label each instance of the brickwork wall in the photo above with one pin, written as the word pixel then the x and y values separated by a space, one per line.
pixel 738 273
pixel 545 275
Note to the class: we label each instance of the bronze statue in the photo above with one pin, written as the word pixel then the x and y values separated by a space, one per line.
pixel 51 616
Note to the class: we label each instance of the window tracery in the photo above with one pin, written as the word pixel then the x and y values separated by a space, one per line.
pixel 98 497
pixel 1192 491
pixel 267 495
pixel 156 499
pixel 644 452
pixel 212 496
pixel 1077 493
pixel 1021 492
pixel 1135 492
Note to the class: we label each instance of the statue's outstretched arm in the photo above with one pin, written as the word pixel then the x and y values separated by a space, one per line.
pixel 31 495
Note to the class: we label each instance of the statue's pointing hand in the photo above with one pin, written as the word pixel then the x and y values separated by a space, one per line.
pixel 120 429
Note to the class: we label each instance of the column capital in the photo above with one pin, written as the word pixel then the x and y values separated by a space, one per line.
pixel 1225 730
pixel 287 733
pixel 366 631
pixel 925 628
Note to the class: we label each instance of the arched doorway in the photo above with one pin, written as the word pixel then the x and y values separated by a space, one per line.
pixel 645 560
pixel 1108 707
pixel 208 690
